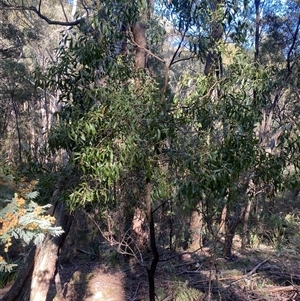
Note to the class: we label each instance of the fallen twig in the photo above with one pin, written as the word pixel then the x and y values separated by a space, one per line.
pixel 276 289
pixel 253 271
pixel 236 278
pixel 256 268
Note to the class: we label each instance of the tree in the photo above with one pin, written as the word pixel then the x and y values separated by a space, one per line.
pixel 139 142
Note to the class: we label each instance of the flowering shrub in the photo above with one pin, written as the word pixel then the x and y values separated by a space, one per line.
pixel 24 220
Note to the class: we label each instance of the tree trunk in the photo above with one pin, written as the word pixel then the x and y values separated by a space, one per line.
pixel 20 290
pixel 196 224
pixel 257 29
pixel 139 36
pixel 32 283
pixel 154 251
pixel 47 255
pixel 222 225
pixel 231 225
pixel 18 129
pixel 140 41
pixel 217 31
pixel 245 224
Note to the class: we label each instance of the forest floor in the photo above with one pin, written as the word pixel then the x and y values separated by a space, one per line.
pixel 262 274
pixel 92 270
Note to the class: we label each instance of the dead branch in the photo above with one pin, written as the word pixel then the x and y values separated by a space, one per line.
pixel 256 268
pixel 251 273
pixel 276 289
pixel 124 246
pixel 235 279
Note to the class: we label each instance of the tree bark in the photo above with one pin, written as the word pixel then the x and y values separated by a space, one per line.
pixel 245 224
pixel 140 41
pixel 222 225
pixel 231 225
pixel 20 290
pixel 217 31
pixel 196 224
pixel 139 36
pixel 47 255
pixel 155 259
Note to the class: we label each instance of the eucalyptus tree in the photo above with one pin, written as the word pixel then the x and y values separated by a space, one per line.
pixel 116 119
pixel 238 176
pixel 109 117
pixel 138 139
pixel 277 48
pixel 112 118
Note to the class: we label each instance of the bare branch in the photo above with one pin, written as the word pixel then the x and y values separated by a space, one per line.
pixel 295 35
pixel 124 246
pixel 179 46
pixel 148 51
pixel 4 5
pixel 63 9
pixel 74 9
pixel 184 59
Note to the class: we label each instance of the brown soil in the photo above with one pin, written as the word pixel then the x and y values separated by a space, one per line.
pixel 89 281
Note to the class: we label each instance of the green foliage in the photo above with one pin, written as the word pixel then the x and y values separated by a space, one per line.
pixel 114 118
pixel 218 134
pixel 202 143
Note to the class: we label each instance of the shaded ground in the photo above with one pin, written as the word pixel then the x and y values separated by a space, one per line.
pixel 261 274
pixel 90 281
pixel 256 275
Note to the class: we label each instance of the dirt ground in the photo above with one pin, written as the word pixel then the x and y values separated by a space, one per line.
pixel 261 274
pixel 90 281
